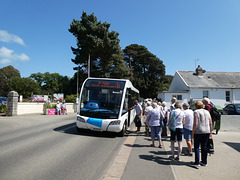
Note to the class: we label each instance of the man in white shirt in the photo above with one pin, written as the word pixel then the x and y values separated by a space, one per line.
pixel 138 117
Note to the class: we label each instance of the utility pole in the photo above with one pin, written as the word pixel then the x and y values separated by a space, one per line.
pixel 89 65
pixel 77 83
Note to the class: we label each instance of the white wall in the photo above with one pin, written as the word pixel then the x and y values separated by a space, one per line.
pixel 178 84
pixel 230 123
pixel 236 96
pixel 27 108
pixel 167 96
pixel 217 96
pixel 38 108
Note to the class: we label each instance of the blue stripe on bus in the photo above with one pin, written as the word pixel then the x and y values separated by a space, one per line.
pixel 95 122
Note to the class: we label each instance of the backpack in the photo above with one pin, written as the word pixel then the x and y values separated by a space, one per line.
pixel 215 114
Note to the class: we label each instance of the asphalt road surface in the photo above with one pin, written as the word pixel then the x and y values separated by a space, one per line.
pixel 49 147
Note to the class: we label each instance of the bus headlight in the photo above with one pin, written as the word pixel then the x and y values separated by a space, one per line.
pixel 117 122
pixel 80 119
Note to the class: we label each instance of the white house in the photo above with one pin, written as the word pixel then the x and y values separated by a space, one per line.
pixel 220 87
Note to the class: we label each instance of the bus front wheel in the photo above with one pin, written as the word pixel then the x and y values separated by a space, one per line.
pixel 123 131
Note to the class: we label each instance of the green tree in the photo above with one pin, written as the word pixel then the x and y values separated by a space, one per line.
pixel 7 73
pixel 38 77
pixel 64 85
pixel 94 40
pixel 147 70
pixel 24 86
pixel 166 81
pixel 51 83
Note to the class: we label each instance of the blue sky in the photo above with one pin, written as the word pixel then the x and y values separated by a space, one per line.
pixel 34 34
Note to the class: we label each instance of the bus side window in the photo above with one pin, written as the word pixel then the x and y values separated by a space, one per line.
pixel 130 101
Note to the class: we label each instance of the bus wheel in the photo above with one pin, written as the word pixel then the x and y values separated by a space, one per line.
pixel 122 132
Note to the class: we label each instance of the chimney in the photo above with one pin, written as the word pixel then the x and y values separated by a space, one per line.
pixel 199 71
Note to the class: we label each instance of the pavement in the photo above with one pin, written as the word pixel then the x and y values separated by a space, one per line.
pixel 137 160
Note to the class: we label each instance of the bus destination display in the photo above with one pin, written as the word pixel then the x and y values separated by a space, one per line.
pixel 106 84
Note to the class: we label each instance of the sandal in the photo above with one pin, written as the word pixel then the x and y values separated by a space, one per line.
pixel 152 145
pixel 160 146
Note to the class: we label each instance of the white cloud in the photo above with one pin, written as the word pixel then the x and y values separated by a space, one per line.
pixel 8 56
pixel 6 37
pixel 5 61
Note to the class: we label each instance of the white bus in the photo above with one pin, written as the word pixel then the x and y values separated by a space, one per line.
pixel 104 105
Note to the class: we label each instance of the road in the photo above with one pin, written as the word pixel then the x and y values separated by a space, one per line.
pixel 50 147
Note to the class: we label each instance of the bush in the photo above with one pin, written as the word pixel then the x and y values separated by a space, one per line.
pixel 71 98
pixel 50 106
pixel 3 109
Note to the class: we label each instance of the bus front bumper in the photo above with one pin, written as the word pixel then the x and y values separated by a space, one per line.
pixel 95 124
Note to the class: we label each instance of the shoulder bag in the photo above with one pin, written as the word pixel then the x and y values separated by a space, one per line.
pixel 172 123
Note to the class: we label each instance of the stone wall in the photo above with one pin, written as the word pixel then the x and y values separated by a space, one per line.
pixel 12 103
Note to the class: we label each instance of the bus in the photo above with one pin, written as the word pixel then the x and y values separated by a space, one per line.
pixel 104 105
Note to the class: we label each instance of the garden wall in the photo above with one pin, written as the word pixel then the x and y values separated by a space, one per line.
pixel 38 108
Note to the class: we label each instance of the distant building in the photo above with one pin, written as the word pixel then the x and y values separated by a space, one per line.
pixel 220 87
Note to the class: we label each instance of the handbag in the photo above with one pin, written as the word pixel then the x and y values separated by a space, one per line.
pixel 210 146
pixel 172 123
pixel 138 123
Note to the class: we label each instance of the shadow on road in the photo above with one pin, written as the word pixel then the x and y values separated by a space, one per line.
pixel 158 158
pixel 235 146
pixel 73 130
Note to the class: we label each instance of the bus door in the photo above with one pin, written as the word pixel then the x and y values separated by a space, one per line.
pixel 130 103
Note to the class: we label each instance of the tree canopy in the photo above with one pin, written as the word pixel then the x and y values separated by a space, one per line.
pixel 6 73
pixel 51 83
pixel 147 70
pixel 24 86
pixel 95 39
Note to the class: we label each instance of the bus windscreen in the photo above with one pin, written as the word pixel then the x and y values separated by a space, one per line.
pixel 101 98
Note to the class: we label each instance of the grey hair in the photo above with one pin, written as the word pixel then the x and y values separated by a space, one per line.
pixel 164 103
pixel 206 100
pixel 154 105
pixel 185 105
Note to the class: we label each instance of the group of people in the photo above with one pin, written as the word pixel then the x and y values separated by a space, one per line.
pixel 60 108
pixel 192 125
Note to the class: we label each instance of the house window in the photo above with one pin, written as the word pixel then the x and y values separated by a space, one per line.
pixel 205 94
pixel 228 96
pixel 179 97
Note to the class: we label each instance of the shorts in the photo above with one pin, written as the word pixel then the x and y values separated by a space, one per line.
pixel 187 134
pixel 178 133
